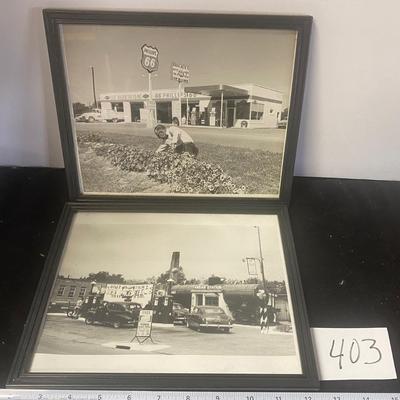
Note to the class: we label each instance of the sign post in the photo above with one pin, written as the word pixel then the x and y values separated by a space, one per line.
pixel 180 73
pixel 144 327
pixel 150 63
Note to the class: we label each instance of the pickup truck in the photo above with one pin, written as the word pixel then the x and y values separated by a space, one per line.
pixel 99 115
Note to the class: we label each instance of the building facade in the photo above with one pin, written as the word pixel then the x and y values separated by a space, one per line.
pixel 67 291
pixel 220 105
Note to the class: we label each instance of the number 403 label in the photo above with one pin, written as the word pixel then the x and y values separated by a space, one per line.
pixel 353 353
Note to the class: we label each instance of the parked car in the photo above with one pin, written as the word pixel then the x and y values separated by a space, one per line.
pixel 134 309
pixel 209 317
pixel 282 124
pixel 112 314
pixel 179 313
pixel 93 116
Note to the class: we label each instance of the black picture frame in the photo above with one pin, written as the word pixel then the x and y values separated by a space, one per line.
pixel 53 19
pixel 20 377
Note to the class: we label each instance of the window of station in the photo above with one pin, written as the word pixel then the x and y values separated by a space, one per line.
pixel 211 301
pixel 71 292
pixel 60 291
pixel 117 106
pixel 199 299
pixel 82 291
pixel 242 110
pixel 191 112
pixel 135 110
pixel 164 112
pixel 257 111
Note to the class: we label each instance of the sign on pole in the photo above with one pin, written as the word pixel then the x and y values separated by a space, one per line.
pixel 179 72
pixel 149 59
pixel 252 264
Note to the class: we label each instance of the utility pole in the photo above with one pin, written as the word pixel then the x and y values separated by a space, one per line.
pixel 261 259
pixel 93 87
pixel 180 101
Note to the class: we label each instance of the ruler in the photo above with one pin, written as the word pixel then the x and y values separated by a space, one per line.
pixel 152 395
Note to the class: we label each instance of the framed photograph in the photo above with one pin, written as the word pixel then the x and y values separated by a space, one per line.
pixel 178 104
pixel 136 299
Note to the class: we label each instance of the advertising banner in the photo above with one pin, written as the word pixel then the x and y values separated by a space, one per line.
pixel 129 293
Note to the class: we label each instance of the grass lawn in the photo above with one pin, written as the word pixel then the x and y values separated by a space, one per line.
pixel 98 175
pixel 258 170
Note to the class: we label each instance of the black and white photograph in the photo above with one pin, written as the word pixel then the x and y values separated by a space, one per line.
pixel 170 293
pixel 179 110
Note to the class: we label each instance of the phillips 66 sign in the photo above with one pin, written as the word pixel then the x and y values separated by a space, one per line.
pixel 149 58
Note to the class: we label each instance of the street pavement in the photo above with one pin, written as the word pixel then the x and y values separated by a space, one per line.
pixel 63 335
pixel 254 139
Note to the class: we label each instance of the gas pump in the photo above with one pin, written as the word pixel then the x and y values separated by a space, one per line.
pixel 212 117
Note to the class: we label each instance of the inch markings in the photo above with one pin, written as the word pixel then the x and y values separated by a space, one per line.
pixel 151 395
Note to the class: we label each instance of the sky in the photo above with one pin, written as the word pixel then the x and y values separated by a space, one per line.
pixel 142 247
pixel 262 57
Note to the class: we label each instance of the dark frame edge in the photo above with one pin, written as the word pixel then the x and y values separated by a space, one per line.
pixel 19 378
pixel 53 18
pixel 60 91
pixel 54 254
pixel 299 80
pixel 306 347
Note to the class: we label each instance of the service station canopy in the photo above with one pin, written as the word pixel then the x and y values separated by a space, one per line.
pixel 218 91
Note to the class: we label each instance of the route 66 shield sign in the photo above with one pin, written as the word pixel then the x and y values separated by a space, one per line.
pixel 149 58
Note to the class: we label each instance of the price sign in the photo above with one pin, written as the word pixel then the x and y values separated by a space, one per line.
pixel 144 324
pixel 353 353
pixel 179 72
pixel 149 59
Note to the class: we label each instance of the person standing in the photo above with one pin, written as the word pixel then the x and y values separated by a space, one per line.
pixel 263 311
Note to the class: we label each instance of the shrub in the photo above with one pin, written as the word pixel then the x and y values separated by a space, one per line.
pixel 183 172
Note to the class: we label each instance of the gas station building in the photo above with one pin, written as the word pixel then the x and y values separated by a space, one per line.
pixel 243 105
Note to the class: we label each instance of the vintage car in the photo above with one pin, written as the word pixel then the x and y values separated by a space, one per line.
pixel 134 309
pixel 209 318
pixel 113 314
pixel 179 313
pixel 92 116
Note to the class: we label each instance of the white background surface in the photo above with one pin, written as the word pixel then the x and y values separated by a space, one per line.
pixel 366 353
pixel 350 122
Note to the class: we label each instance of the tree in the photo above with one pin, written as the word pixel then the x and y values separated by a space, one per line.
pixel 79 108
pixel 216 280
pixel 177 275
pixel 252 280
pixel 193 281
pixel 105 277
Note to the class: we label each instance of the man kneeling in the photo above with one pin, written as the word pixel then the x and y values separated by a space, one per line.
pixel 175 139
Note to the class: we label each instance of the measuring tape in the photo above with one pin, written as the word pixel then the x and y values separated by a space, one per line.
pixel 125 395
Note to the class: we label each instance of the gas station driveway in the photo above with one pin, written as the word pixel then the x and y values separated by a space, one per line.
pixel 63 335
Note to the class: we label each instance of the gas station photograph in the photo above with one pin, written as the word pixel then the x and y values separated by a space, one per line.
pixel 170 293
pixel 179 111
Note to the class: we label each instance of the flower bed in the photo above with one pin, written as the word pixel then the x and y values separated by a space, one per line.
pixel 183 172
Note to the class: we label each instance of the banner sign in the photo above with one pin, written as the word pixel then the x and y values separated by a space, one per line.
pixel 179 72
pixel 144 324
pixel 129 293
pixel 149 59
pixel 157 94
